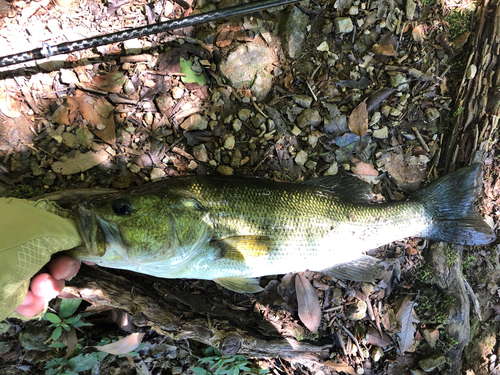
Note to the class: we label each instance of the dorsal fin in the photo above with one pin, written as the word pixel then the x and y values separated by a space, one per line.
pixel 345 187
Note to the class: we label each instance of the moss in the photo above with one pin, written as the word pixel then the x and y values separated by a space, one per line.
pixel 433 306
pixel 451 256
pixel 459 21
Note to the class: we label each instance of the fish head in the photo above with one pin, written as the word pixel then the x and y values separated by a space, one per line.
pixel 125 228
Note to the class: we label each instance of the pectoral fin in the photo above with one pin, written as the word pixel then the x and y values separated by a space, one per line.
pixel 365 268
pixel 240 284
pixel 245 247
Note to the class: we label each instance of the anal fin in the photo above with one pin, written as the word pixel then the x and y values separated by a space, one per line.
pixel 365 268
pixel 240 284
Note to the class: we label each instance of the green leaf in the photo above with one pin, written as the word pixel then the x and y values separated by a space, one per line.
pixel 57 333
pixel 53 318
pixel 57 345
pixel 84 362
pixel 199 371
pixel 191 75
pixel 68 307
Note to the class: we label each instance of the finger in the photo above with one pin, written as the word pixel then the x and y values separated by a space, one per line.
pixel 64 267
pixel 31 306
pixel 46 287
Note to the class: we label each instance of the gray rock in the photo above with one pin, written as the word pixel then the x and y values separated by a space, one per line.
pixel 381 133
pixel 242 64
pixel 68 77
pixel 132 46
pixel 432 114
pixel 200 153
pixel 258 120
pixel 310 117
pixel 293 30
pixel 229 143
pixel 164 102
pixel 237 125
pixel 156 174
pixel 236 159
pixel 301 157
pixel 357 311
pixel 262 85
pixel 431 363
pixel 343 25
pixel 303 101
pixel 225 170
pixel 195 122
pixel 410 9
pixel 244 114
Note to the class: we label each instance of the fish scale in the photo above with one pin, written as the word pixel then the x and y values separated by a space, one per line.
pixel 232 229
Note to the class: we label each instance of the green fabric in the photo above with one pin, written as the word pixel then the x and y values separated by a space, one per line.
pixel 30 232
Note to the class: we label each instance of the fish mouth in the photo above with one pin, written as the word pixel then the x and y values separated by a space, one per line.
pixel 102 238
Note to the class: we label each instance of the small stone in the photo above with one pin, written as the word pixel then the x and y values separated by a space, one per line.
pixel 195 122
pixel 432 114
pixel 381 133
pixel 332 170
pixel 386 109
pixel 156 174
pixel 200 153
pixel 258 120
pixel 69 139
pixel 353 11
pixel 357 311
pixel 398 79
pixel 177 92
pixel 229 143
pixel 101 126
pixel 164 102
pixel 311 165
pixel 303 101
pixel 310 117
pixel 236 158
pixel 410 9
pixel 237 125
pixel 367 289
pixel 431 363
pixel 244 114
pixel 132 46
pixel 312 140
pixel 225 170
pixel 134 168
pixel 296 131
pixel 192 165
pixel 376 353
pixel 395 112
pixel 301 157
pixel 343 24
pixel 68 77
pixel 49 178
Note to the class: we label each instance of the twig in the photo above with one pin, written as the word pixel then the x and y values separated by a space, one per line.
pixel 421 140
pixel 355 341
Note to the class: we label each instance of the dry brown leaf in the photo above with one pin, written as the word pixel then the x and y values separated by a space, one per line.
pixel 66 113
pixel 406 317
pixel 123 346
pixel 341 367
pixel 363 169
pixel 69 339
pixel 431 336
pixel 9 106
pixel 288 81
pixel 111 82
pixel 358 120
pixel 443 86
pixel 418 34
pixel 80 162
pixel 98 112
pixel 307 300
pixel 386 50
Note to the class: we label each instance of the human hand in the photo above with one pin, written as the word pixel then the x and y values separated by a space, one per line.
pixel 46 286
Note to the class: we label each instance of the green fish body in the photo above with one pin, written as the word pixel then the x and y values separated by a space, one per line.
pixel 233 229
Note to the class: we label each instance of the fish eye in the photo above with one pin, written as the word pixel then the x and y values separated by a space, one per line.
pixel 121 207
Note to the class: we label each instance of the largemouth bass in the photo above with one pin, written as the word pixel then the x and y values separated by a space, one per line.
pixel 234 229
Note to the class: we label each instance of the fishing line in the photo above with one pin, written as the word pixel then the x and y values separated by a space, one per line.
pixel 193 20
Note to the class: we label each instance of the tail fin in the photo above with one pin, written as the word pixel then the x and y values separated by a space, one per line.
pixel 450 203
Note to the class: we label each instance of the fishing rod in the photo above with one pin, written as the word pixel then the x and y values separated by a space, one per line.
pixel 101 40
